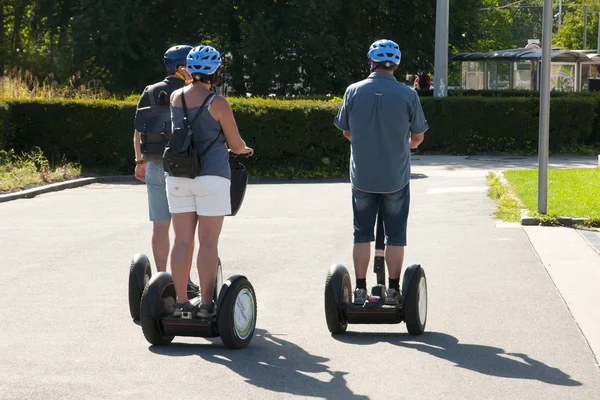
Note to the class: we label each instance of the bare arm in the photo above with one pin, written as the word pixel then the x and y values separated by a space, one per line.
pixel 140 169
pixel 347 135
pixel 136 145
pixel 416 139
pixel 224 114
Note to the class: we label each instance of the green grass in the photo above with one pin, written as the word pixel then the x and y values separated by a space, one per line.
pixel 509 208
pixel 27 170
pixel 572 193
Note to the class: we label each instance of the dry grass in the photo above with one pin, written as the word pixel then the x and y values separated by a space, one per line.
pixel 18 172
pixel 20 84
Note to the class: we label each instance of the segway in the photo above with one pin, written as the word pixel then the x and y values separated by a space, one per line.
pixel 234 322
pixel 340 310
pixel 140 273
pixel 140 270
pixel 235 299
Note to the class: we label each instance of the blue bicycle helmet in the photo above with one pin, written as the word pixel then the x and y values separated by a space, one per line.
pixel 203 60
pixel 385 50
pixel 176 56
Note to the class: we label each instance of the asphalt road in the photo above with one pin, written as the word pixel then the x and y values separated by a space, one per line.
pixel 497 327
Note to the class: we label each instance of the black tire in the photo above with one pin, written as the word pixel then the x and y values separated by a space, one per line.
pixel 157 302
pixel 140 273
pixel 415 313
pixel 336 321
pixel 237 336
pixel 218 282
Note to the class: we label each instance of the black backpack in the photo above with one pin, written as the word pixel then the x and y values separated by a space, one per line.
pixel 181 158
pixel 154 124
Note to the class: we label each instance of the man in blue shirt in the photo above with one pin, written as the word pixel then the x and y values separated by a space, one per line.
pixel 384 122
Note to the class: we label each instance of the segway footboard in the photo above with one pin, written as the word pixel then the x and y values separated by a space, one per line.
pixel 374 314
pixel 191 327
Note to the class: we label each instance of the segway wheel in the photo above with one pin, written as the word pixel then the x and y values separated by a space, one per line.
pixel 157 302
pixel 338 291
pixel 236 318
pixel 140 273
pixel 415 304
pixel 218 282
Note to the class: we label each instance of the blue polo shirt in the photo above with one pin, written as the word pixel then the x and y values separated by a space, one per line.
pixel 380 113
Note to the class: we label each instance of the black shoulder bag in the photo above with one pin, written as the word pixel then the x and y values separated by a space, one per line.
pixel 181 157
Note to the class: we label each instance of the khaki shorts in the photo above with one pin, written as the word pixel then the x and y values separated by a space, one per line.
pixel 204 195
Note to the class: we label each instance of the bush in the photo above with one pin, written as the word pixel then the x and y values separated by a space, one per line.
pixel 470 125
pixel 4 112
pixel 297 138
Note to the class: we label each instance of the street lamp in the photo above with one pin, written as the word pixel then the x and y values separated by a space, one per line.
pixel 543 146
pixel 440 74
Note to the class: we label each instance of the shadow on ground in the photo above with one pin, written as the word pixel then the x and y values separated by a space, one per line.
pixel 270 363
pixel 486 360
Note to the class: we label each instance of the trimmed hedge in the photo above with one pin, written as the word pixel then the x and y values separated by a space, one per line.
pixel 297 138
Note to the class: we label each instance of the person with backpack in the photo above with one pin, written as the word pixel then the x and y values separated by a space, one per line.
pixel 201 202
pixel 152 130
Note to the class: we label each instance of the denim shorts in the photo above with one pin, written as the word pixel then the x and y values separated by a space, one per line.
pixel 394 211
pixel 158 205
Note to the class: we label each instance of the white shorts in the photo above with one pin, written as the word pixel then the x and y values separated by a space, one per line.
pixel 204 195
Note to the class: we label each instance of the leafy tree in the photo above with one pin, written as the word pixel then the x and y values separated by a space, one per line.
pixel 570 33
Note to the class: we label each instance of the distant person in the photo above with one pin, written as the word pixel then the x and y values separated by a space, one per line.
pixel 384 121
pixel 425 82
pixel 416 82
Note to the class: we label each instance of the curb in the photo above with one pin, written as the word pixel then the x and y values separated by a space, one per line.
pixel 55 187
pixel 563 221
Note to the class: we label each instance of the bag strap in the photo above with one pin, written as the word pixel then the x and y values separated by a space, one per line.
pixel 151 95
pixel 185 116
pixel 213 96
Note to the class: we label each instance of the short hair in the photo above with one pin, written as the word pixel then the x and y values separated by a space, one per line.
pixel 213 78
pixel 385 65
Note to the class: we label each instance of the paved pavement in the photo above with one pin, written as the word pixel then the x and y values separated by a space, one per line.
pixel 499 324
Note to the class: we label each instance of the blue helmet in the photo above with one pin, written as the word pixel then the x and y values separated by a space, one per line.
pixel 176 56
pixel 385 50
pixel 203 60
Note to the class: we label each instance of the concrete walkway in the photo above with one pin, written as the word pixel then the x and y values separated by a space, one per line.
pixel 502 323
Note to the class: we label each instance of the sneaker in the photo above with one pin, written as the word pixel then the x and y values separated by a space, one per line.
pixel 360 295
pixel 392 297
pixel 206 310
pixel 183 310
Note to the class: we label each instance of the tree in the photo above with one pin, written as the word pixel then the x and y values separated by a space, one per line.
pixel 570 33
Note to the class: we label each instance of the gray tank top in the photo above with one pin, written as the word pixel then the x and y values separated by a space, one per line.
pixel 216 160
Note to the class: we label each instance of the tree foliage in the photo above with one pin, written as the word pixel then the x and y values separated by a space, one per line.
pixel 287 47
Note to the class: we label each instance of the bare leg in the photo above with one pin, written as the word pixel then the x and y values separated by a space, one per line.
pixel 361 254
pixel 161 244
pixel 184 225
pixel 209 229
pixel 190 257
pixel 394 257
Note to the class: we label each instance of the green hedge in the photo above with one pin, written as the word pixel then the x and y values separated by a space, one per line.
pixel 3 117
pixel 297 138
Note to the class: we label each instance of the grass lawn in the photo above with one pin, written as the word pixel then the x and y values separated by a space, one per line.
pixel 571 192
pixel 18 172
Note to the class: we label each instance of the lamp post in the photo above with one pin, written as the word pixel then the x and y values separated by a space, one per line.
pixel 440 79
pixel 544 109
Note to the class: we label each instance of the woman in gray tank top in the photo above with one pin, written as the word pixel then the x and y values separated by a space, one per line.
pixel 204 201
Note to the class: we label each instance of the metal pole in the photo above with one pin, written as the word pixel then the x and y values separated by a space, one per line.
pixel 585 27
pixel 544 109
pixel 559 12
pixel 598 48
pixel 440 79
